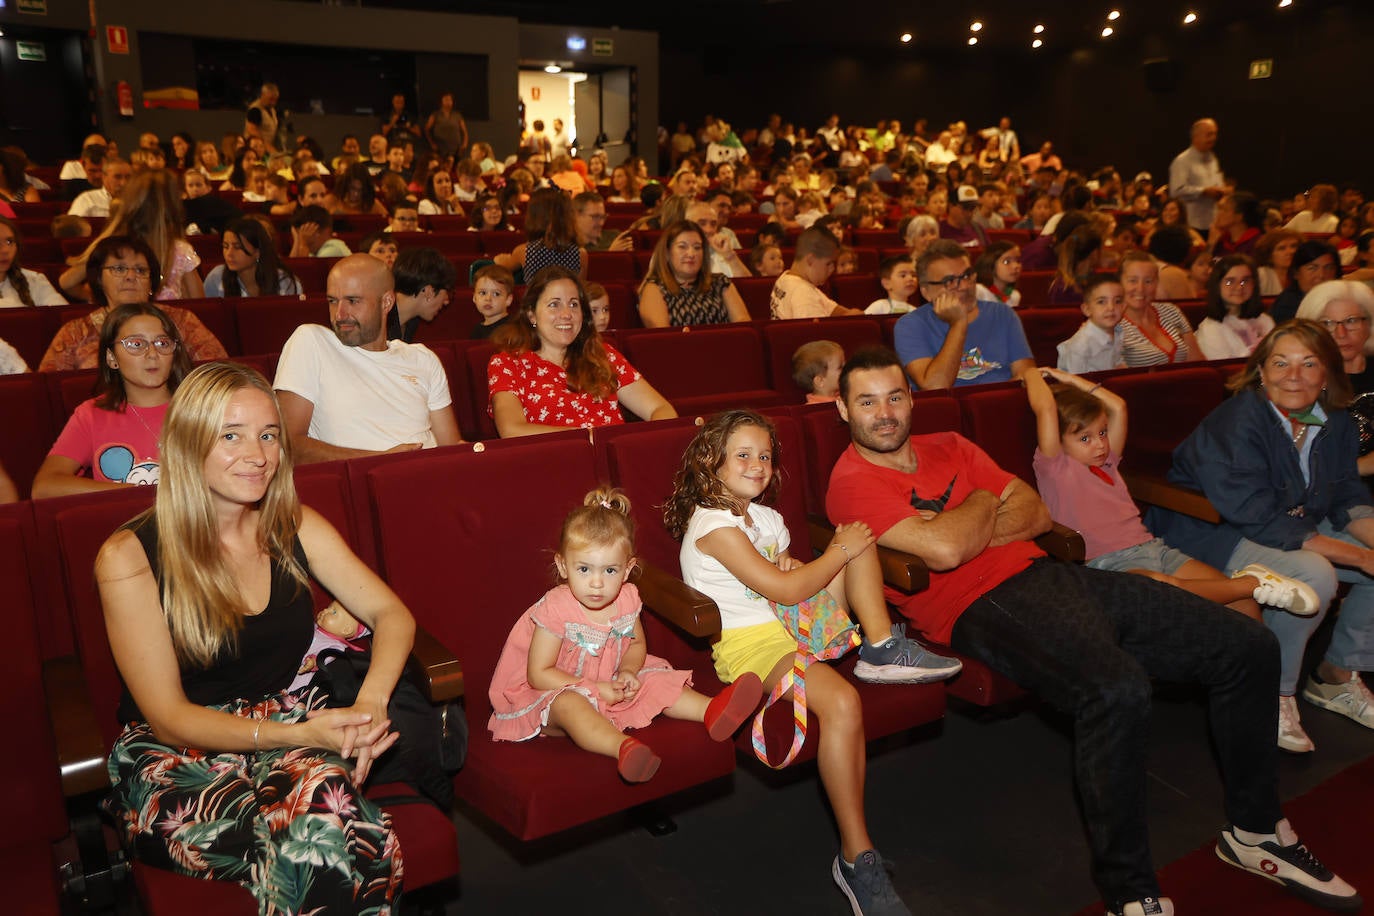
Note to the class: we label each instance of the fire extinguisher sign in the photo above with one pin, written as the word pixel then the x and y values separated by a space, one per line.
pixel 117 38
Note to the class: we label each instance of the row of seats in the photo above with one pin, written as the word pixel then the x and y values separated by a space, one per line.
pixel 502 493
pixel 697 369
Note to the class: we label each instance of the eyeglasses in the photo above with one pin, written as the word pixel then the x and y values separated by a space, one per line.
pixel 122 270
pixel 139 345
pixel 1350 324
pixel 1237 281
pixel 953 281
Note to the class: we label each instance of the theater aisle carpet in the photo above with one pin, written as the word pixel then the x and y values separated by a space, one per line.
pixel 1336 814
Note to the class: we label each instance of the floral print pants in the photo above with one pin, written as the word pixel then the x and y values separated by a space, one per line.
pixel 287 823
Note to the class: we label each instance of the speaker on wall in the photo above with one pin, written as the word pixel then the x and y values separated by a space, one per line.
pixel 1161 74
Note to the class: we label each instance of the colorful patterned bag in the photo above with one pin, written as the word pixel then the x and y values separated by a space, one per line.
pixel 823 632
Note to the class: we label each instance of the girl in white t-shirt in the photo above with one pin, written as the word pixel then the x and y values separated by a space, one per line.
pixel 735 551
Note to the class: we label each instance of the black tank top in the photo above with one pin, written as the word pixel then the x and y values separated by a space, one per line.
pixel 270 645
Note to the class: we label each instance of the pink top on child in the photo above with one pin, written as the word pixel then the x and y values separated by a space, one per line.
pixel 590 651
pixel 1102 512
pixel 115 446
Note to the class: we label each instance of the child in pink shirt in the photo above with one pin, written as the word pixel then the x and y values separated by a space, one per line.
pixel 1081 431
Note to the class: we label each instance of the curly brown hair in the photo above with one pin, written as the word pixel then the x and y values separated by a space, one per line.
pixel 696 485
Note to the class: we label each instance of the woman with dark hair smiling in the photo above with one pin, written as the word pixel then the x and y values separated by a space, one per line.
pixel 552 370
pixel 1236 321
pixel 121 270
pixel 112 439
pixel 680 288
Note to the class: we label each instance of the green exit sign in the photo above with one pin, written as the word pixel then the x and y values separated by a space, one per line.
pixel 603 47
pixel 32 50
pixel 1261 69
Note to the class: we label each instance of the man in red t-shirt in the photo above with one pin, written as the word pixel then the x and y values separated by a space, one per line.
pixel 1087 641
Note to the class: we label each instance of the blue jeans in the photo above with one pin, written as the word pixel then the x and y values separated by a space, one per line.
pixel 1352 640
pixel 1088 643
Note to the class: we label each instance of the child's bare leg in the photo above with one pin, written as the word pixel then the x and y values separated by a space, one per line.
pixel 574 715
pixel 690 706
pixel 841 756
pixel 859 588
pixel 1214 585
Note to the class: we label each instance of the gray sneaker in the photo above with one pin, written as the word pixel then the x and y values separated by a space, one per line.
pixel 868 887
pixel 903 661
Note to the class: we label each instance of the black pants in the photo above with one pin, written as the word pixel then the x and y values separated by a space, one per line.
pixel 1088 642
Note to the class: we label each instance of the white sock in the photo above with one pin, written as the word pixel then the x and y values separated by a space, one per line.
pixel 1254 839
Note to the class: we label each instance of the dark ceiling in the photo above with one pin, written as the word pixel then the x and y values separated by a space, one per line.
pixel 803 26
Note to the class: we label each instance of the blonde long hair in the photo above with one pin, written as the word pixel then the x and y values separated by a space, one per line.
pixel 149 208
pixel 200 596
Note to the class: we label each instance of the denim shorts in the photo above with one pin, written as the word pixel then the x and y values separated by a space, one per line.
pixel 1154 555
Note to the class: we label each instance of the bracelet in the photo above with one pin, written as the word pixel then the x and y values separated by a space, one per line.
pixel 1094 388
pixel 256 730
pixel 847 558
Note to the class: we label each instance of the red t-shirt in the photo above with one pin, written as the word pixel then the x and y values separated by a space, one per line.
pixel 949 468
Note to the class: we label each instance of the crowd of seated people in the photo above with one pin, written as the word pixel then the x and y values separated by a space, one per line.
pixel 949 229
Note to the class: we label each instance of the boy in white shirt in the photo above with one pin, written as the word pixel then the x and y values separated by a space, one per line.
pixel 1097 344
pixel 897 275
pixel 797 294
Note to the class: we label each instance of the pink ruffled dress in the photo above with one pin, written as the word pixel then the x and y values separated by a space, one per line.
pixel 590 651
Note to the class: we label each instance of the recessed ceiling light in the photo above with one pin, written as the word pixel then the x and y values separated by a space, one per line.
pixel 1107 32
pixel 975 26
pixel 1283 3
pixel 553 68
pixel 906 37
pixel 1038 29
pixel 1037 43
pixel 1114 15
pixel 973 39
pixel 1190 18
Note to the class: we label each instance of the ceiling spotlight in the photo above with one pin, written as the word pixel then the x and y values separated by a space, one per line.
pixel 1107 32
pixel 1037 43
pixel 1190 18
pixel 553 68
pixel 975 26
pixel 1114 15
pixel 1038 29
pixel 1283 3
pixel 973 39
pixel 906 37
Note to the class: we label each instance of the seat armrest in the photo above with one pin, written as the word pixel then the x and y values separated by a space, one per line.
pixel 441 676
pixel 81 749
pixel 1157 491
pixel 905 572
pixel 678 603
pixel 1062 543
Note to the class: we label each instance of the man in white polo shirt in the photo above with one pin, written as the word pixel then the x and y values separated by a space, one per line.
pixel 350 391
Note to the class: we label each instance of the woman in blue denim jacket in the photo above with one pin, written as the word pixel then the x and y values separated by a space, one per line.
pixel 1277 462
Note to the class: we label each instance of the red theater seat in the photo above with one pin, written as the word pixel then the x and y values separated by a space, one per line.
pixel 265 324
pixel 703 369
pixel 782 338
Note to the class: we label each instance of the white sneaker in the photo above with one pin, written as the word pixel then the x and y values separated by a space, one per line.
pixel 1147 906
pixel 1283 592
pixel 1351 699
pixel 1291 736
pixel 1291 865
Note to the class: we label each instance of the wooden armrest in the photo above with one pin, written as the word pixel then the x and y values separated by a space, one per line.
pixel 81 749
pixel 441 676
pixel 1157 491
pixel 903 571
pixel 1062 543
pixel 678 603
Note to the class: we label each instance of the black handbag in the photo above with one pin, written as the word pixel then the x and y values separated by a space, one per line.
pixel 433 739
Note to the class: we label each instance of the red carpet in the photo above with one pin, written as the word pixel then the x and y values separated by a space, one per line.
pixel 1335 817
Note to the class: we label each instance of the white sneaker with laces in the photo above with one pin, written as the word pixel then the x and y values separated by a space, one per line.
pixel 1289 863
pixel 1291 736
pixel 1351 699
pixel 1283 592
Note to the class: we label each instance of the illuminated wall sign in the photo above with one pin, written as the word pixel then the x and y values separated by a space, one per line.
pixel 32 50
pixel 1261 69
pixel 577 43
pixel 603 47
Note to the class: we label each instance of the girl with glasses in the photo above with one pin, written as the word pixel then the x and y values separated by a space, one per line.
pixel 1236 321
pixel 111 440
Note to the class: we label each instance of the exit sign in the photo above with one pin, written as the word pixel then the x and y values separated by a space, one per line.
pixel 1261 69
pixel 603 47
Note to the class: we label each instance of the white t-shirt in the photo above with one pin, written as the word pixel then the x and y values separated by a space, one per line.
pixel 888 306
pixel 739 605
pixel 365 399
pixel 95 202
pixel 39 287
pixel 1306 222
pixel 796 297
